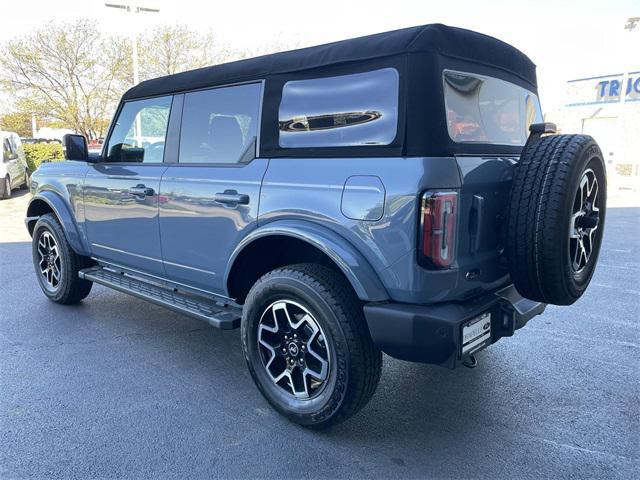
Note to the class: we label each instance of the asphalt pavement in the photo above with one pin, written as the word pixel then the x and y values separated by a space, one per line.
pixel 119 388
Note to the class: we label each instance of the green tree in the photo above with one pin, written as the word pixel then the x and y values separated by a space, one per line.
pixel 67 73
pixel 18 122
pixel 170 49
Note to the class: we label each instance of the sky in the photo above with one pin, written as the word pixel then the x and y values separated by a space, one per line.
pixel 566 39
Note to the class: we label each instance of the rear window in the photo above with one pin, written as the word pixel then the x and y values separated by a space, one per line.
pixel 344 111
pixel 483 109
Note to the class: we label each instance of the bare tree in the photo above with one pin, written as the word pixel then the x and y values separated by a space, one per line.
pixel 68 73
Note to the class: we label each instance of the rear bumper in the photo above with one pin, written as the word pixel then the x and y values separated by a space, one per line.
pixel 433 333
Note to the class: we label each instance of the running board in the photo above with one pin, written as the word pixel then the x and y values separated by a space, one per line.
pixel 217 315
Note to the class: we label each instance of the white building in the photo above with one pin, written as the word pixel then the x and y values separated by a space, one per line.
pixel 48 133
pixel 607 108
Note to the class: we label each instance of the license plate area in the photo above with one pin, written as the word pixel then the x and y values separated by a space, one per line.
pixel 476 334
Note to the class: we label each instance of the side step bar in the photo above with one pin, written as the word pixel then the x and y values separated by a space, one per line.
pixel 216 314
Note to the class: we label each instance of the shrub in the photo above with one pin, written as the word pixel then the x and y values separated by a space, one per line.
pixel 36 153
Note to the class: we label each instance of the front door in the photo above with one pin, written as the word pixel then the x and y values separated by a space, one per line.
pixel 121 193
pixel 210 195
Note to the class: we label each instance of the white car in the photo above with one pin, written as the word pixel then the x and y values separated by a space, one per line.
pixel 14 172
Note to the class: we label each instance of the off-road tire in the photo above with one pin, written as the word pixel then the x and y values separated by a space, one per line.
pixel 27 181
pixel 71 289
pixel 356 362
pixel 545 184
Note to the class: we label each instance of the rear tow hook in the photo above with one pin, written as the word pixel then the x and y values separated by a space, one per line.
pixel 470 361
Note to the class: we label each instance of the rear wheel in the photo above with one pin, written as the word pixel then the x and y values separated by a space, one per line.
pixel 556 218
pixel 307 345
pixel 6 188
pixel 56 264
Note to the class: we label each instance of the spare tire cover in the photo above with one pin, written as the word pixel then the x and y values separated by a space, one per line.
pixel 555 218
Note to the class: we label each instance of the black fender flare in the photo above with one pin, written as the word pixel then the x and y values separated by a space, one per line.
pixel 359 272
pixel 59 207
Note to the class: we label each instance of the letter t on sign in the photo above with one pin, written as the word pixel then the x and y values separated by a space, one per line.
pixel 603 88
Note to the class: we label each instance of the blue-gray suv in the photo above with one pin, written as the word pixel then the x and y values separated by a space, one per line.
pixel 393 193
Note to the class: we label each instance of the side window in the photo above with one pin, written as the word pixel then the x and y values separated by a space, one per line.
pixel 140 131
pixel 349 110
pixel 7 153
pixel 220 125
pixel 483 109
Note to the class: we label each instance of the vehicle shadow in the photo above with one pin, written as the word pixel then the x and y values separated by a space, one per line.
pixel 19 193
pixel 411 397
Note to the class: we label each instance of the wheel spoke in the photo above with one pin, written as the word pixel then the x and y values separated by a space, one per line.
pixel 585 219
pixel 575 255
pixel 595 207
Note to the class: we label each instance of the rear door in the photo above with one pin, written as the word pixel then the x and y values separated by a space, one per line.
pixel 210 191
pixel 121 193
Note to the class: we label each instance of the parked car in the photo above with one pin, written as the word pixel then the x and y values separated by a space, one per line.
pixel 95 146
pixel 32 141
pixel 14 172
pixel 393 193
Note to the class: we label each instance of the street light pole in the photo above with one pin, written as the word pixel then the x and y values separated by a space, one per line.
pixel 131 8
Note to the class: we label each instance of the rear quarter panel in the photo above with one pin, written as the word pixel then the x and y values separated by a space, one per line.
pixel 312 190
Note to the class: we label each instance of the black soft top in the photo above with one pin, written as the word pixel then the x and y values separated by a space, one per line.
pixel 420 54
pixel 441 39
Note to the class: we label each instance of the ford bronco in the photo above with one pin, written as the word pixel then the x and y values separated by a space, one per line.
pixel 393 193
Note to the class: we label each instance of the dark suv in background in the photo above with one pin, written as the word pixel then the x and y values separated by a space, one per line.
pixel 397 192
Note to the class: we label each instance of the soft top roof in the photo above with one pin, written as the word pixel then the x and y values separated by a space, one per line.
pixel 455 43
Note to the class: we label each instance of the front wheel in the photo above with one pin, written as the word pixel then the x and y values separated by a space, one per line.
pixel 56 264
pixel 307 345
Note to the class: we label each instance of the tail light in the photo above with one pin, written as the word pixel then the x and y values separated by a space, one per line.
pixel 438 233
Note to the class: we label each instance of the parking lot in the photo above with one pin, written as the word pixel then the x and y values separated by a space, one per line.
pixel 120 388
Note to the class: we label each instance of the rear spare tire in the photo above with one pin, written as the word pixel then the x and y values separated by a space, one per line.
pixel 556 218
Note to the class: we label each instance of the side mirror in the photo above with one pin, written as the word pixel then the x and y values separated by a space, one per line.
pixel 75 147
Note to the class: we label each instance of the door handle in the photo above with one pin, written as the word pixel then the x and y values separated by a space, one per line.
pixel 141 190
pixel 231 197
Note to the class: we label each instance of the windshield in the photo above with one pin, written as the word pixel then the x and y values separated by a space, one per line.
pixel 483 109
